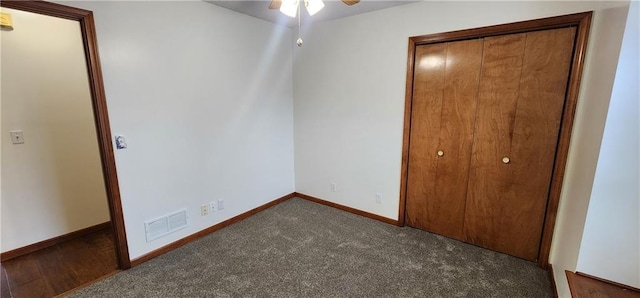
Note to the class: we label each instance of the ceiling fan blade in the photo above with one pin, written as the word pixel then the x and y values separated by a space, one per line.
pixel 275 4
pixel 350 2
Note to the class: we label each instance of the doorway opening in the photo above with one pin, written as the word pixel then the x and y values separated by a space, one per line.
pixel 82 252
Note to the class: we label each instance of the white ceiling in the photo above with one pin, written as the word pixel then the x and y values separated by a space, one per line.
pixel 333 9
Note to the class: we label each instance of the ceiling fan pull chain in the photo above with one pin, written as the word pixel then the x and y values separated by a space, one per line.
pixel 299 41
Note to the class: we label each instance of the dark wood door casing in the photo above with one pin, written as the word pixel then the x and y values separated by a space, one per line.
pixel 580 23
pixel 98 98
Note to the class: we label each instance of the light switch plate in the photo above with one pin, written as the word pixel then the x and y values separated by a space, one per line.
pixel 17 137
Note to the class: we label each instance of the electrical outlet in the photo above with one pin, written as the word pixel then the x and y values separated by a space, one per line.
pixel 213 206
pixel 334 187
pixel 220 204
pixel 204 210
pixel 378 198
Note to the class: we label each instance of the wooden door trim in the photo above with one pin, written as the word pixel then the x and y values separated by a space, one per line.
pixel 94 71
pixel 582 22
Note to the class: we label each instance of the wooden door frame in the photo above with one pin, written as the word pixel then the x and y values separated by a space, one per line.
pixel 87 26
pixel 582 22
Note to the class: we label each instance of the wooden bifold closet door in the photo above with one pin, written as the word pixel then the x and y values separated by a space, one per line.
pixel 442 121
pixel 485 122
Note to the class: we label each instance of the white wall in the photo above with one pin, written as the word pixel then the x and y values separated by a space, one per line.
pixel 349 88
pixel 52 184
pixel 597 82
pixel 611 241
pixel 204 97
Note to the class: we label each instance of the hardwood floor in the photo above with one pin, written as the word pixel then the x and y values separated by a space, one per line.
pixel 586 287
pixel 60 268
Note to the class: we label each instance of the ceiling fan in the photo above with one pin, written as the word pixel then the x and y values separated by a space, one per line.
pixel 290 7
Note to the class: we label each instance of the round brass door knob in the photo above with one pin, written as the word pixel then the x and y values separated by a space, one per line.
pixel 440 153
pixel 506 160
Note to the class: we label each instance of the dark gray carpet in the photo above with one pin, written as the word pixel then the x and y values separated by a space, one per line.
pixel 302 249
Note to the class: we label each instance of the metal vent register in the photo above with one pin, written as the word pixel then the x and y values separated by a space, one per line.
pixel 167 224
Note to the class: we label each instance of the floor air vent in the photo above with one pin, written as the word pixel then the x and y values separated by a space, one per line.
pixel 161 226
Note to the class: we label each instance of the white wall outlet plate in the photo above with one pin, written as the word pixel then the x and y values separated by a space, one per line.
pixel 204 210
pixel 213 206
pixel 220 204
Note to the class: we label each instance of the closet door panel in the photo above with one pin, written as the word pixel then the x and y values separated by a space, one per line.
pixel 535 135
pixel 456 135
pixel 442 161
pixel 489 186
pixel 519 114
pixel 428 82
